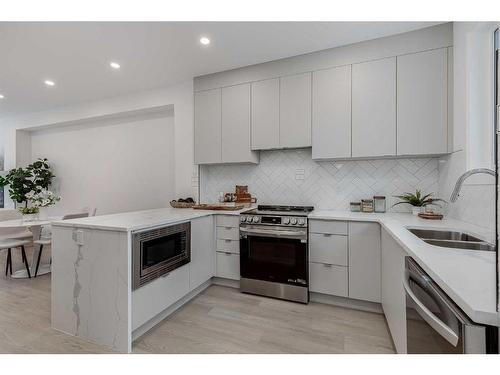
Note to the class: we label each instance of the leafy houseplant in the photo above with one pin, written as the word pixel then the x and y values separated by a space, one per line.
pixel 31 184
pixel 417 200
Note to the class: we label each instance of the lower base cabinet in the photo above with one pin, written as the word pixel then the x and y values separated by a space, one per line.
pixel 228 265
pixel 393 293
pixel 202 259
pixel 151 299
pixel 328 279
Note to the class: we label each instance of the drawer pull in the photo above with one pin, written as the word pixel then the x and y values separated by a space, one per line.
pixel 327 235
pixel 227 240
pixel 166 275
pixel 227 253
pixel 327 264
pixel 229 228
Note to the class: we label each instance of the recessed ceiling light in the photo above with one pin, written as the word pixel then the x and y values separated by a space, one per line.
pixel 48 82
pixel 204 40
pixel 1 96
pixel 114 65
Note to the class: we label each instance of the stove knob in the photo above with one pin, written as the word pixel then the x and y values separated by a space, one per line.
pixel 293 221
pixel 301 222
pixel 243 219
pixel 255 219
pixel 286 220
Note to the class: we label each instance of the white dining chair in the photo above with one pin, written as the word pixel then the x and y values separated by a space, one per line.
pixel 13 243
pixel 47 240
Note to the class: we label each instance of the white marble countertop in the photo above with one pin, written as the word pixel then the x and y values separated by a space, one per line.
pixel 467 276
pixel 137 220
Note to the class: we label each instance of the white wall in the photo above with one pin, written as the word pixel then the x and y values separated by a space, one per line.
pixel 117 166
pixel 180 96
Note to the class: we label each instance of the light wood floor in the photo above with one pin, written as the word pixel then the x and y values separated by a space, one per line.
pixel 220 320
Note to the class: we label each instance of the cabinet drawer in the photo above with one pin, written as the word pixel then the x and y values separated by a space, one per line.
pixel 228 246
pixel 328 248
pixel 327 226
pixel 228 265
pixel 328 279
pixel 228 233
pixel 232 221
pixel 151 299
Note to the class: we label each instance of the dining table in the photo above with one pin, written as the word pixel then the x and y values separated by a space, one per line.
pixel 35 227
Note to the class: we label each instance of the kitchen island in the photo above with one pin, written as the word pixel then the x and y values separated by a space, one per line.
pixel 92 294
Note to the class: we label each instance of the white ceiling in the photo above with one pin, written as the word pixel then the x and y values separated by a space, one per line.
pixel 76 55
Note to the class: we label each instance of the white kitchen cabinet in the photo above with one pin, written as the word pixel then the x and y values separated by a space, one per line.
pixel 364 261
pixel 202 251
pixel 374 108
pixel 151 299
pixel 207 127
pixel 328 227
pixel 266 114
pixel 331 113
pixel 328 248
pixel 393 293
pixel 295 111
pixel 422 103
pixel 235 119
pixel 228 265
pixel 328 279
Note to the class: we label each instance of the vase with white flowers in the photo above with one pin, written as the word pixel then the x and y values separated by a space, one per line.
pixel 37 199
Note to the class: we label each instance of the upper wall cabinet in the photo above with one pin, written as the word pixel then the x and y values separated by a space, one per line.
pixel 331 113
pixel 266 114
pixel 295 111
pixel 222 126
pixel 207 129
pixel 374 108
pixel 422 95
pixel 236 125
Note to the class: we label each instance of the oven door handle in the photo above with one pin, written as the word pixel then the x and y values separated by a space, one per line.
pixel 294 235
pixel 446 332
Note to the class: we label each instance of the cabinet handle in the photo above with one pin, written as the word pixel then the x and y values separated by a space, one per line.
pixel 227 253
pixel 327 264
pixel 327 234
pixel 229 228
pixel 227 240
pixel 166 275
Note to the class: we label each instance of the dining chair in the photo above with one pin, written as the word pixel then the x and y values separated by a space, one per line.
pixel 45 241
pixel 13 243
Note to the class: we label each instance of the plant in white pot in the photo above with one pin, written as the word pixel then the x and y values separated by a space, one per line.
pixel 418 201
pixel 37 199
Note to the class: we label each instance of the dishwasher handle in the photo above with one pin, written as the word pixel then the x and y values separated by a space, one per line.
pixel 446 332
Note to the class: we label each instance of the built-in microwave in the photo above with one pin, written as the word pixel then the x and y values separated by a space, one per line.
pixel 158 251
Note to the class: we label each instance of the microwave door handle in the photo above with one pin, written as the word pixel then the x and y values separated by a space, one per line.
pixel 431 319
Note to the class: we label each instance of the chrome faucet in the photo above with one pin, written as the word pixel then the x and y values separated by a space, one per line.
pixel 462 178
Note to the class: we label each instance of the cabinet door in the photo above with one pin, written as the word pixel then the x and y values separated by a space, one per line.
pixel 207 127
pixel 328 279
pixel 266 114
pixel 202 251
pixel 295 111
pixel 331 113
pixel 236 125
pixel 374 108
pixel 364 261
pixel 422 80
pixel 393 293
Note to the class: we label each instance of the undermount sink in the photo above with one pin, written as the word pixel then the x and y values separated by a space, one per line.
pixel 452 239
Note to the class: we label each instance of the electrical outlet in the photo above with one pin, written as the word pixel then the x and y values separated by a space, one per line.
pixel 300 174
pixel 78 237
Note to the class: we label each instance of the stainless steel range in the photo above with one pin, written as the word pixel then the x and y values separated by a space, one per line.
pixel 274 252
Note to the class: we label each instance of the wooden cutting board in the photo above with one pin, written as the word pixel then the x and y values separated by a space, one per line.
pixel 430 216
pixel 218 207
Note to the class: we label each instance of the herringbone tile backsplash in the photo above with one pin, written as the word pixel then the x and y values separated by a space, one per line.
pixel 292 177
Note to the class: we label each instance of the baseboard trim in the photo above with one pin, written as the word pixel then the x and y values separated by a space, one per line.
pixel 140 331
pixel 346 302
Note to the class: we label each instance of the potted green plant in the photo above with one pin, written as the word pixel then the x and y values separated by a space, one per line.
pixel 29 187
pixel 417 201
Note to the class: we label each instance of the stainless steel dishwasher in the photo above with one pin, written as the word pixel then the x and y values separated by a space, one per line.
pixel 435 324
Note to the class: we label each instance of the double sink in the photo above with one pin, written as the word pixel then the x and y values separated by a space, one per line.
pixel 451 239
